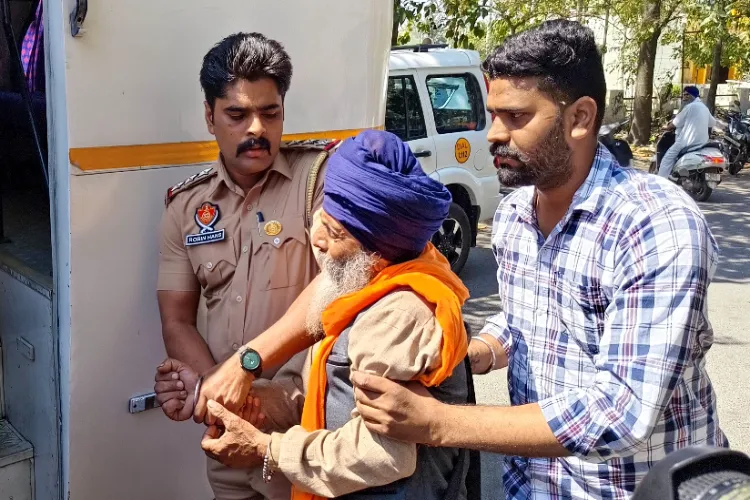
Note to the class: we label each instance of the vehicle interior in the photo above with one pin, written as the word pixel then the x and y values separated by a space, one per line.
pixel 25 236
pixel 454 101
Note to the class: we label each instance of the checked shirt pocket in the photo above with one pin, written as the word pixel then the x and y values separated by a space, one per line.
pixel 581 311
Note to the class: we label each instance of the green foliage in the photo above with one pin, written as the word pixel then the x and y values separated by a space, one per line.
pixel 411 15
pixel 725 20
pixel 484 24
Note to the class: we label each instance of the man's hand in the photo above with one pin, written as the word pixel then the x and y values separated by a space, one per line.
pixel 174 385
pixel 251 412
pixel 227 384
pixel 239 446
pixel 406 413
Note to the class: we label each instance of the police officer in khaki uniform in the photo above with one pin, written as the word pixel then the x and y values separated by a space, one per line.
pixel 239 232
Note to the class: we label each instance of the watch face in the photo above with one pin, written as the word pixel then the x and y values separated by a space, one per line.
pixel 251 360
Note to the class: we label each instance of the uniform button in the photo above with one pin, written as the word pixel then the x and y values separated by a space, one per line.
pixel 235 346
pixel 210 265
pixel 276 241
pixel 249 207
pixel 239 298
pixel 244 249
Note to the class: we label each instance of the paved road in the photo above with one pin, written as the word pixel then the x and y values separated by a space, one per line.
pixel 728 213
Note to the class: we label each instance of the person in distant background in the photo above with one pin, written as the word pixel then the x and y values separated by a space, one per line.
pixel 691 124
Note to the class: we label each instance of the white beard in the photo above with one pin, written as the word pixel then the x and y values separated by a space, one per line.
pixel 339 278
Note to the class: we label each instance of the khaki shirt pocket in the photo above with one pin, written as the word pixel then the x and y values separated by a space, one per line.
pixel 280 260
pixel 214 265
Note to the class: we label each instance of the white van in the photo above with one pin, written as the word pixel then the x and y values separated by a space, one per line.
pixel 437 104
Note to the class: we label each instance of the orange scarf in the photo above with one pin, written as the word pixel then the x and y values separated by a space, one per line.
pixel 429 276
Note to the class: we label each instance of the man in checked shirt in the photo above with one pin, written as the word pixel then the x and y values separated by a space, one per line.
pixel 603 276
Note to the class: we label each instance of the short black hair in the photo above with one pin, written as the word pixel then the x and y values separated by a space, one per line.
pixel 249 56
pixel 562 54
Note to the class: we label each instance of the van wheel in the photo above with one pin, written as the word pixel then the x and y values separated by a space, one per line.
pixel 453 239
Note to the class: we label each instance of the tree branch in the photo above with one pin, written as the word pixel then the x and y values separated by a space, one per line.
pixel 673 15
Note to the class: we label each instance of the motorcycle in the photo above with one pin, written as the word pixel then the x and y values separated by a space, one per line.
pixel 697 170
pixel 736 140
pixel 620 149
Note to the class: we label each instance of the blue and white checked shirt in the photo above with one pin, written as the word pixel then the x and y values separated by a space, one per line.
pixel 605 327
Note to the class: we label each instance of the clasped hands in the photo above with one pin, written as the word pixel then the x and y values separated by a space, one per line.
pixel 227 406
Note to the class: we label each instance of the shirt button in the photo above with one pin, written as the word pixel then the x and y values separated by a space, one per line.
pixel 249 207
pixel 210 265
pixel 235 346
pixel 239 298
pixel 244 249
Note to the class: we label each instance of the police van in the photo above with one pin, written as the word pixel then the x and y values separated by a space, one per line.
pixel 436 102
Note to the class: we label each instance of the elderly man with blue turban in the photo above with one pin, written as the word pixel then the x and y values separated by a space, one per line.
pixel 386 303
pixel 692 126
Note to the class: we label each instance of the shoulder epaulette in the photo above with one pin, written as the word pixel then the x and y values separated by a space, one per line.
pixel 317 144
pixel 191 181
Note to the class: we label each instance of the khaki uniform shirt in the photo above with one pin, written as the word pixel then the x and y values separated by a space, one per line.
pixel 332 463
pixel 250 277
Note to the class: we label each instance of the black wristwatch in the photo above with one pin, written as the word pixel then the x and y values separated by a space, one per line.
pixel 251 362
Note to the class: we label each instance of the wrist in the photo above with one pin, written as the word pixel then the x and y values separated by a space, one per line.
pixel 265 445
pixel 482 355
pixel 269 462
pixel 440 416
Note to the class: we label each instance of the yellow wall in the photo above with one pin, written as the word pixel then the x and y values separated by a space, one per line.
pixel 699 75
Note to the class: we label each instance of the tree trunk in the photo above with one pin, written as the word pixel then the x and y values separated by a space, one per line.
pixel 644 89
pixel 715 75
pixel 606 29
pixel 640 131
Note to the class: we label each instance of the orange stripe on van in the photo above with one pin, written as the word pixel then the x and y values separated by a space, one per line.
pixel 176 153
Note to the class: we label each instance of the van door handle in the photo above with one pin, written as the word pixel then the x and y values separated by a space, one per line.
pixel 423 154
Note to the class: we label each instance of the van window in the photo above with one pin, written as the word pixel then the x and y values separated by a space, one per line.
pixel 456 103
pixel 403 112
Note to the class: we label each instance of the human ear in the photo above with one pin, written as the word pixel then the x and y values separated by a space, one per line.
pixel 209 115
pixel 581 118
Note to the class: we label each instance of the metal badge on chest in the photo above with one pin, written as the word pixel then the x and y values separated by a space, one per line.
pixel 271 228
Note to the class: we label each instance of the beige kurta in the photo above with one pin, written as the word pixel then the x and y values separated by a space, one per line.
pixel 398 338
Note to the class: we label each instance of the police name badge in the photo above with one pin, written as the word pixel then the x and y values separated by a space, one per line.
pixel 206 217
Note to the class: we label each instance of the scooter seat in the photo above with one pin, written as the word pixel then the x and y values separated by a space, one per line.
pixel 693 149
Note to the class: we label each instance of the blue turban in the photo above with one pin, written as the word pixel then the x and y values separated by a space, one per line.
pixel 375 187
pixel 692 90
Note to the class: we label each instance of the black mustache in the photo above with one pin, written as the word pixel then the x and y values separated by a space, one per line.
pixel 506 151
pixel 253 143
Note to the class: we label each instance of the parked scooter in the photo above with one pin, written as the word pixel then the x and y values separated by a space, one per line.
pixel 697 170
pixel 620 149
pixel 735 143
